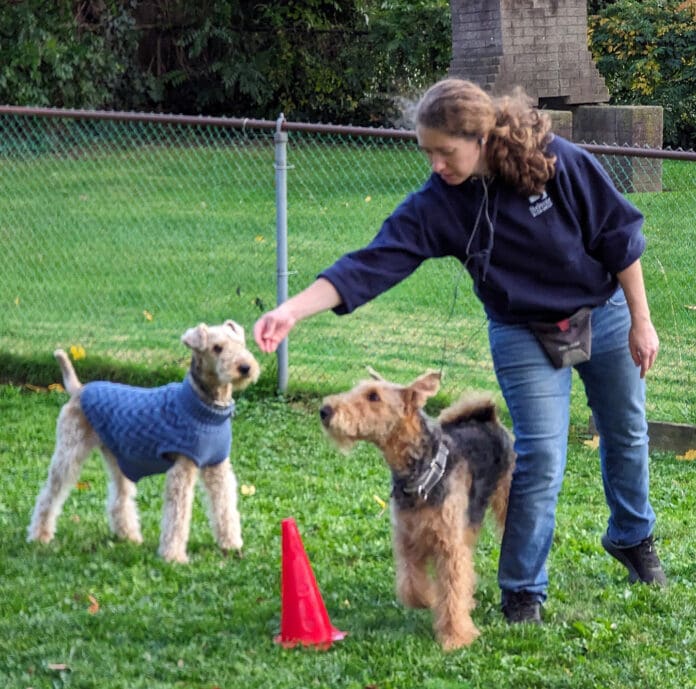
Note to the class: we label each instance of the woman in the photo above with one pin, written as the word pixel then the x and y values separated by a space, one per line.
pixel 547 239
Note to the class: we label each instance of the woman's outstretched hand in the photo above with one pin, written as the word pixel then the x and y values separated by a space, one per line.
pixel 272 328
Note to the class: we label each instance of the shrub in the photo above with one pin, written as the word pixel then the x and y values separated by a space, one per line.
pixel 65 54
pixel 646 52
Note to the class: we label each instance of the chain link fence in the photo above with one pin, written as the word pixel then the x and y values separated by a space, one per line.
pixel 120 230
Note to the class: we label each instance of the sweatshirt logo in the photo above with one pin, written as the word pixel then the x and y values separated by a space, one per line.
pixel 539 203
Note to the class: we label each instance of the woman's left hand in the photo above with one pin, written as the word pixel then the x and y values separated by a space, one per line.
pixel 644 345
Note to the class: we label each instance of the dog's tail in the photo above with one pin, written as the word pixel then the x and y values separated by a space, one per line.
pixel 472 406
pixel 70 380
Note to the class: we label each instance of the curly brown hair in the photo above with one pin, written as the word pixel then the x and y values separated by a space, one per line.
pixel 516 133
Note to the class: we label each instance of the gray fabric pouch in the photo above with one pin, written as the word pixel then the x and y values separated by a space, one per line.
pixel 567 342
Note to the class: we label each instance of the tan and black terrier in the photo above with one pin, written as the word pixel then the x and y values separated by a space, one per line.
pixel 183 429
pixel 445 474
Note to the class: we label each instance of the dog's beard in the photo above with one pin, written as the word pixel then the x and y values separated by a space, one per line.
pixel 342 442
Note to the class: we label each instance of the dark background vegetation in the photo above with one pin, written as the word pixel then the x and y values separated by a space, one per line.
pixel 315 60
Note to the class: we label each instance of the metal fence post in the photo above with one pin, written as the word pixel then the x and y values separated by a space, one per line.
pixel 281 187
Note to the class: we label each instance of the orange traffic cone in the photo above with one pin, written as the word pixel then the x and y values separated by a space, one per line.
pixel 303 618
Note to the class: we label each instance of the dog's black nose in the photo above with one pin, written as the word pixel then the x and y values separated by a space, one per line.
pixel 325 414
pixel 244 369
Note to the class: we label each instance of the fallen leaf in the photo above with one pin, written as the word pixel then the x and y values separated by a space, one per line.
pixel 34 388
pixel 368 199
pixel 592 444
pixel 77 352
pixel 379 501
pixel 247 490
pixel 259 238
pixel 56 387
pixel 16 301
pixel 148 315
pixel 691 307
pixel 93 608
pixel 688 456
pixel 57 666
pixel 83 485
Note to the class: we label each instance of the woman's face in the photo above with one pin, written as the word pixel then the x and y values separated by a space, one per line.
pixel 454 158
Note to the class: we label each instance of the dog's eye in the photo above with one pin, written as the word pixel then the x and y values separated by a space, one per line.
pixel 373 396
pixel 217 349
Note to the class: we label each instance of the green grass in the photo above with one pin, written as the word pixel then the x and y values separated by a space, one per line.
pixel 212 623
pixel 97 237
pixel 100 234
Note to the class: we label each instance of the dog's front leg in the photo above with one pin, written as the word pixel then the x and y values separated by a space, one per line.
pixel 456 582
pixel 414 586
pixel 178 504
pixel 221 485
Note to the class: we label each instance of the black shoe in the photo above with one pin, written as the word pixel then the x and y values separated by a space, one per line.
pixel 522 606
pixel 640 560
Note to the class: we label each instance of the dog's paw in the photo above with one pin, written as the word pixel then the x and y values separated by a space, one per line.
pixel 230 542
pixel 44 536
pixel 179 558
pixel 237 552
pixel 465 635
pixel 413 597
pixel 40 538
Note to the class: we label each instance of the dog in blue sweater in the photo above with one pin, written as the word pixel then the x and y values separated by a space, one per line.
pixel 182 429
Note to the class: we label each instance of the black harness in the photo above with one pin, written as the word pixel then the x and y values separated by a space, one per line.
pixel 423 484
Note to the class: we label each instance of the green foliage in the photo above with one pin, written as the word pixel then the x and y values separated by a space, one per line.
pixel 317 60
pixel 51 55
pixel 245 58
pixel 233 57
pixel 646 52
pixel 595 6
pixel 306 59
pixel 410 44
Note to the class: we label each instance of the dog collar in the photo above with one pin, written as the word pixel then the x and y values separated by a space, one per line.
pixel 431 476
pixel 200 410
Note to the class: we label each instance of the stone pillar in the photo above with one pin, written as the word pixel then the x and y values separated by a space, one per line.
pixel 540 45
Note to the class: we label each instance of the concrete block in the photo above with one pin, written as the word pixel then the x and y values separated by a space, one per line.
pixel 624 125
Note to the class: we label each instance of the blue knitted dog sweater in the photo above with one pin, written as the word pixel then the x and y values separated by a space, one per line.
pixel 143 426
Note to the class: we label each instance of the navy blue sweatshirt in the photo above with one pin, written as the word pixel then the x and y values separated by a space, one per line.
pixel 537 258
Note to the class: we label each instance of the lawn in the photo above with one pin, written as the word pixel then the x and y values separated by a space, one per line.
pixel 90 612
pixel 119 249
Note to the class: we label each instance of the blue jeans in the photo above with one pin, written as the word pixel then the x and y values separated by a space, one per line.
pixel 538 398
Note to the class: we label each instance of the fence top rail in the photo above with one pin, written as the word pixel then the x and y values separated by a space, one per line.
pixel 341 130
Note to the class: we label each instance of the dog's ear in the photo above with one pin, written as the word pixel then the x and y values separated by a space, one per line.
pixel 196 338
pixel 373 374
pixel 424 387
pixel 235 327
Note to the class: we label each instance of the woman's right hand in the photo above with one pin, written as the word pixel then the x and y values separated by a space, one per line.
pixel 273 327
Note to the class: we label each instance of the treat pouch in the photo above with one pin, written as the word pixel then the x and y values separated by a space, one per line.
pixel 567 342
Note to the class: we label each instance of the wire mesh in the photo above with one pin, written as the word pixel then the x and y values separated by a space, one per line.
pixel 118 235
